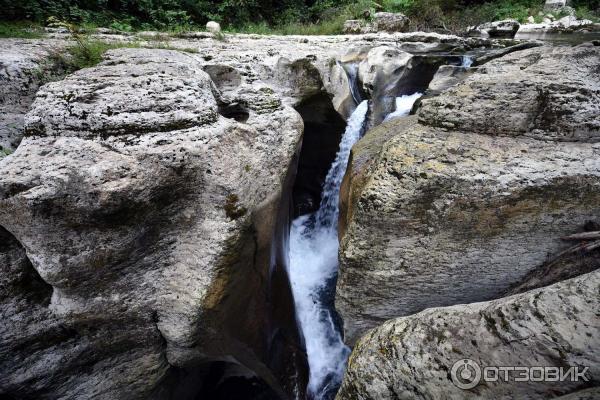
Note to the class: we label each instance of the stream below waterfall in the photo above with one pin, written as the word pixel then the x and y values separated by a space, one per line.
pixel 314 263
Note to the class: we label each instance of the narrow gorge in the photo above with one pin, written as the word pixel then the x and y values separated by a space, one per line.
pixel 298 217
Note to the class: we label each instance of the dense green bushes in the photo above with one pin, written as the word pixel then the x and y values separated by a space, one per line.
pixel 264 16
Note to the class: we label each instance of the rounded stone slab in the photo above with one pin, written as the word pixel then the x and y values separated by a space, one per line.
pixel 547 93
pixel 412 357
pixel 162 91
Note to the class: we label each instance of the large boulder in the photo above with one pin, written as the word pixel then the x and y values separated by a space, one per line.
pixel 148 205
pixel 214 27
pixel 498 29
pixel 554 5
pixel 390 22
pixel 549 93
pixel 354 26
pixel 413 357
pixel 461 202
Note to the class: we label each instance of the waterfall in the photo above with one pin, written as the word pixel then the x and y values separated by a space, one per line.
pixel 403 105
pixel 313 270
pixel 351 70
pixel 467 61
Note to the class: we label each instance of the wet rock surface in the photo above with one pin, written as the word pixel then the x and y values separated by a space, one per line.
pixel 143 216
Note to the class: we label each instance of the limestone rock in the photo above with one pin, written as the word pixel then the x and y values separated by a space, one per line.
pixel 390 22
pixel 149 212
pixel 585 394
pixel 24 65
pixel 144 212
pixel 353 26
pixel 567 24
pixel 505 28
pixel 213 27
pixel 547 93
pixel 380 66
pixel 436 213
pixel 388 72
pixel 448 76
pixel 412 357
pixel 553 5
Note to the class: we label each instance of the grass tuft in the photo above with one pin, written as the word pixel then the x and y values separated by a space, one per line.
pixel 21 29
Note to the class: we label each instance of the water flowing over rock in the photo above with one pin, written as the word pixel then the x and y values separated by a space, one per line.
pixel 144 217
pixel 313 268
pixel 412 357
pixel 461 202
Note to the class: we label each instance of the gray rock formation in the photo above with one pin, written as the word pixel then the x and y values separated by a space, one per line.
pixel 567 24
pixel 354 26
pixel 390 22
pixel 506 28
pixel 150 218
pixel 382 22
pixel 141 218
pixel 585 394
pixel 448 76
pixel 24 66
pixel 412 357
pixel 460 203
pixel 553 5
pixel 527 93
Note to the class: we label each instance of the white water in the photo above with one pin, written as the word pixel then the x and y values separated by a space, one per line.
pixel 403 105
pixel 313 269
pixel 467 61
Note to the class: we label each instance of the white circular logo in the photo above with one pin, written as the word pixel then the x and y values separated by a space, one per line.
pixel 465 374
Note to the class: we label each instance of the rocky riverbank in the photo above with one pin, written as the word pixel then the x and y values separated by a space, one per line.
pixel 145 207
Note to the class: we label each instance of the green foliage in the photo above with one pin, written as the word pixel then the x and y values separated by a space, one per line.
pixel 88 52
pixel 583 12
pixel 20 29
pixel 4 152
pixel 267 16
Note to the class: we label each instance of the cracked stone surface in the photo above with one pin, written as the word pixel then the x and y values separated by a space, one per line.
pixel 149 217
pixel 411 357
pixel 460 202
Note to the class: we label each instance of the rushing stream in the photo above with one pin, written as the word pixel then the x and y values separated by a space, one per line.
pixel 314 264
pixel 313 267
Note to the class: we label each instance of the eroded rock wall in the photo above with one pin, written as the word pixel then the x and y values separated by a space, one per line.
pixel 461 202
pixel 24 66
pixel 412 357
pixel 151 217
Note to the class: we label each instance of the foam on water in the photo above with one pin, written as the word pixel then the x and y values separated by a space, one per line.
pixel 314 263
pixel 313 270
pixel 467 61
pixel 403 105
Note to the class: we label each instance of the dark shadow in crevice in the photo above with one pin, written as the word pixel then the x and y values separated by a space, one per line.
pixel 20 279
pixel 234 111
pixel 323 130
pixel 216 380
